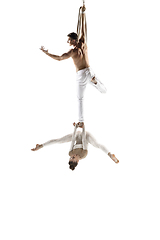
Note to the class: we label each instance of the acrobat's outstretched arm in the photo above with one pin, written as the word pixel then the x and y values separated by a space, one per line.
pixel 56 57
pixel 64 139
pixel 93 141
pixel 84 26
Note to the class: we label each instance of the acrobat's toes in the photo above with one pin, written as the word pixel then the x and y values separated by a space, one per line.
pixel 37 147
pixel 113 157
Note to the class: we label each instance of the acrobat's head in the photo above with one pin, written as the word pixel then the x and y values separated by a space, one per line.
pixel 72 39
pixel 73 161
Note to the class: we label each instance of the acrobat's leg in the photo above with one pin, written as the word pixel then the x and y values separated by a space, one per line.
pixel 80 97
pixel 82 81
pixel 94 81
pixel 93 141
pixel 97 84
pixel 64 139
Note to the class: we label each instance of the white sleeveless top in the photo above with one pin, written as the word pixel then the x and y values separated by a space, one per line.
pixel 78 146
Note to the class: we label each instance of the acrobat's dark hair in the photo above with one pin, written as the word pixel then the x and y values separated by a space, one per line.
pixel 72 165
pixel 73 35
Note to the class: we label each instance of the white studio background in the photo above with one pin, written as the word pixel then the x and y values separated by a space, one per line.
pixel 41 198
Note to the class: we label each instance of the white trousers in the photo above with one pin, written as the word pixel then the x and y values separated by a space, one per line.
pixel 84 77
pixel 86 138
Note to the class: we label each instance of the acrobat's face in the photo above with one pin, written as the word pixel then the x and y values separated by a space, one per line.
pixel 75 158
pixel 71 42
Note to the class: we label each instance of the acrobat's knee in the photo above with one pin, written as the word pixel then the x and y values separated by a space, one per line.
pixel 93 80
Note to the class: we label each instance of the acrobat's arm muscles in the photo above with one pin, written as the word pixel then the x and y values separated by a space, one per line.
pixel 83 26
pixel 93 141
pixel 66 55
pixel 59 58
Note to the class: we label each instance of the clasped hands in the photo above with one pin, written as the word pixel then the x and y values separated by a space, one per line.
pixel 83 8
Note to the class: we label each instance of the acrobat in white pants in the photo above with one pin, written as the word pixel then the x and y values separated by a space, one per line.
pixel 80 140
pixel 84 77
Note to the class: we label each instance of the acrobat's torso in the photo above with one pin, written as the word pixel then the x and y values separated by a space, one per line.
pixel 78 147
pixel 80 56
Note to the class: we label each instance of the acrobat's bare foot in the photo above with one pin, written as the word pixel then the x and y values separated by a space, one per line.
pixel 93 80
pixel 113 157
pixel 37 147
pixel 80 124
pixel 75 124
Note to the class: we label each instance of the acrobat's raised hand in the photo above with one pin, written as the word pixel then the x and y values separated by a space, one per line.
pixel 43 50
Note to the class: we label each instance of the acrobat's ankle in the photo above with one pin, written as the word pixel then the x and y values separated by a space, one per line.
pixel 113 157
pixel 80 124
pixel 38 146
